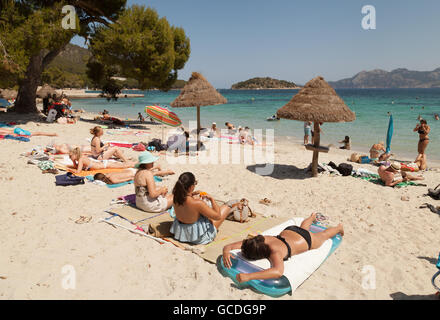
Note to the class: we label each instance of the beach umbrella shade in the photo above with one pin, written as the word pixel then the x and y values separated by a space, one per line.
pixel 4 103
pixel 163 115
pixel 317 102
pixel 198 92
pixel 390 133
pixel 45 90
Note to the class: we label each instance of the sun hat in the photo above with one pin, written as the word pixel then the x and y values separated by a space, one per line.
pixel 395 166
pixel 146 157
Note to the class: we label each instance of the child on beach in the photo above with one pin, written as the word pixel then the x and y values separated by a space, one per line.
pixel 291 241
pixel 101 151
pixel 140 117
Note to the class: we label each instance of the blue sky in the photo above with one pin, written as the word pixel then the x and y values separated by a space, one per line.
pixel 297 40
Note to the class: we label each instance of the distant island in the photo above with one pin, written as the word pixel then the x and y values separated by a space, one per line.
pixel 264 83
pixel 398 78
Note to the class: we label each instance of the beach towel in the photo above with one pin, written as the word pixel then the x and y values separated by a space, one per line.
pixel 374 178
pixel 116 185
pixel 23 139
pixel 159 225
pixel 299 267
pixel 86 173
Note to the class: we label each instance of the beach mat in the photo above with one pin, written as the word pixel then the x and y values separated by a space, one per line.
pixel 85 173
pixel 298 268
pixel 230 231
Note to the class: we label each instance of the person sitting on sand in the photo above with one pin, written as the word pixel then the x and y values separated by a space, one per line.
pixel 141 117
pixel 375 150
pixel 101 151
pixel 421 161
pixel 242 135
pixel 213 131
pixel 346 143
pixel 149 197
pixel 196 222
pixel 293 240
pixel 22 132
pixel 82 162
pixel 387 175
pixel 230 127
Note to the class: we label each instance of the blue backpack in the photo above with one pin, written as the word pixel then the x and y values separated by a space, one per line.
pixel 68 179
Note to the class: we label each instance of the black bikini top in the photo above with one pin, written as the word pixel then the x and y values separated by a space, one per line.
pixel 289 250
pixel 101 144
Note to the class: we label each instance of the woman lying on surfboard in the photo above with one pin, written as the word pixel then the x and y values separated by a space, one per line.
pixel 291 241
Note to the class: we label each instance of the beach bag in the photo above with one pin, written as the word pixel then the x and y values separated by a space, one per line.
pixel 345 169
pixel 157 144
pixel 68 179
pixel 51 115
pixel 241 212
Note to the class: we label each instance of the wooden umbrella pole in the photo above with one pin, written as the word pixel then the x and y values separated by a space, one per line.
pixel 316 140
pixel 198 128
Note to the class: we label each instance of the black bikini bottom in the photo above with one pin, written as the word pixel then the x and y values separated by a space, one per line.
pixel 302 232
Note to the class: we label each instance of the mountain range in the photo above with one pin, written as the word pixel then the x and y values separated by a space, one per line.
pixel 398 78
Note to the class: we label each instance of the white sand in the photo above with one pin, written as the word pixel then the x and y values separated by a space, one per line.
pixel 39 235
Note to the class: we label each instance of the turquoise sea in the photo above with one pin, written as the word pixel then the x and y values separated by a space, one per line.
pixel 252 107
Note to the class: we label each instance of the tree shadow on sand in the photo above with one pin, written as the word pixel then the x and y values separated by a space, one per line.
pixel 279 171
pixel 403 296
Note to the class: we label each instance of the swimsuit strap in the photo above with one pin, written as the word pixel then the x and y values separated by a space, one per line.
pixel 289 250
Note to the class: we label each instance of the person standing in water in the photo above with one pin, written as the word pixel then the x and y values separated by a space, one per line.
pixel 307 131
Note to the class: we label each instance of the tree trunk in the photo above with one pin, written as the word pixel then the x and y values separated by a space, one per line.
pixel 27 92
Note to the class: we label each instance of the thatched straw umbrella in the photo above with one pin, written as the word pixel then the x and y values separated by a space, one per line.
pixel 316 102
pixel 8 94
pixel 198 92
pixel 45 90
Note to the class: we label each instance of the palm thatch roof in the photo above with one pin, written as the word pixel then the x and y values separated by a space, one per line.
pixel 8 94
pixel 317 102
pixel 45 90
pixel 198 92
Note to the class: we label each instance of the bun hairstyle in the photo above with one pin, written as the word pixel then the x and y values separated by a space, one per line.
pixel 180 190
pixel 255 248
pixel 95 130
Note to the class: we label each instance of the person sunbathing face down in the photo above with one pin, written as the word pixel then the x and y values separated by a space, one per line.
pixel 291 241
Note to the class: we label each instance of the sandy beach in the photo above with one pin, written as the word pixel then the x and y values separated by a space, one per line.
pixel 40 238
